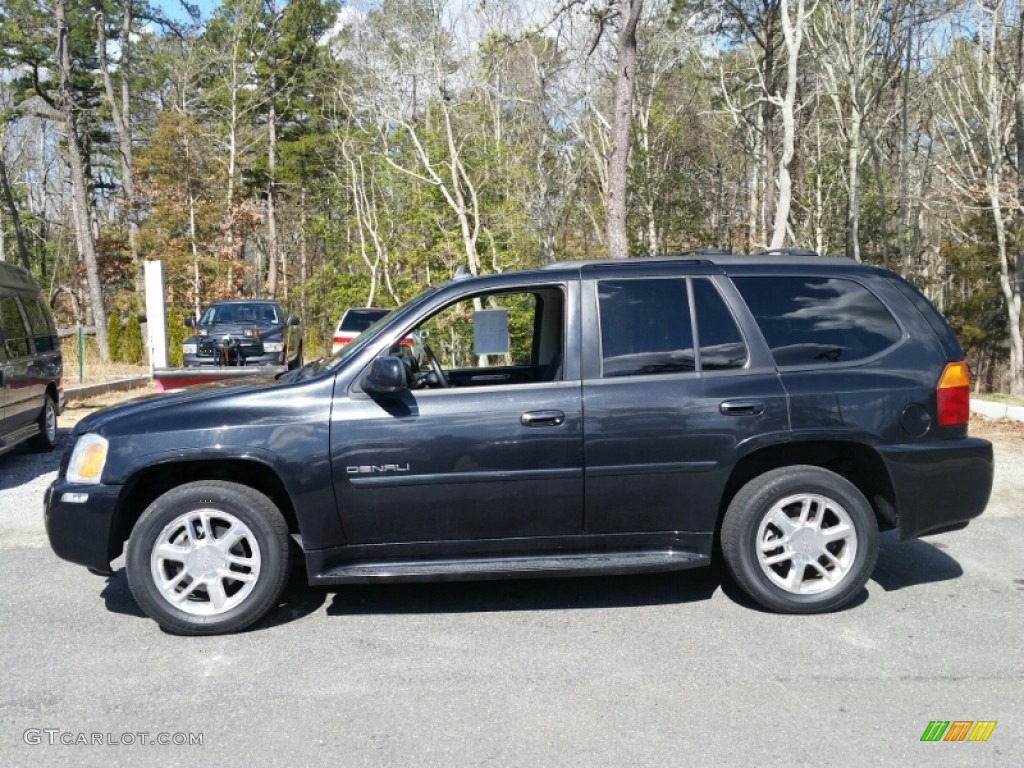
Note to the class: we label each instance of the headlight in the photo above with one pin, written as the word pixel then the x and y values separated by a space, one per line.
pixel 273 346
pixel 88 459
pixel 189 349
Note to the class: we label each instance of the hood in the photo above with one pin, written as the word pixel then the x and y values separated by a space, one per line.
pixel 140 409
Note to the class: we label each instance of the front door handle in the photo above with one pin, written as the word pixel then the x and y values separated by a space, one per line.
pixel 542 419
pixel 742 407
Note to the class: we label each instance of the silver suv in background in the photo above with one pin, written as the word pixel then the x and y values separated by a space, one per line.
pixel 353 322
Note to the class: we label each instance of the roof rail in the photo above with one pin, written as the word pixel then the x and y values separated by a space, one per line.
pixel 703 252
pixel 786 252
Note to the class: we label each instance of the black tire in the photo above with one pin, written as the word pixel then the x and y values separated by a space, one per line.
pixel 263 549
pixel 754 522
pixel 47 437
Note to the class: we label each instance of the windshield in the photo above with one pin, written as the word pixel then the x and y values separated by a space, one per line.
pixel 261 313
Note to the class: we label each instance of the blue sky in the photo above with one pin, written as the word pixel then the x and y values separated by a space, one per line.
pixel 173 7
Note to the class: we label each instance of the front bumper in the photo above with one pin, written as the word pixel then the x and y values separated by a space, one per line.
pixel 80 523
pixel 269 358
pixel 939 486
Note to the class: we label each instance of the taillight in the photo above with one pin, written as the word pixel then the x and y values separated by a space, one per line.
pixel 953 395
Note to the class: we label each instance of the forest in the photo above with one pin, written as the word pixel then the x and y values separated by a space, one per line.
pixel 334 154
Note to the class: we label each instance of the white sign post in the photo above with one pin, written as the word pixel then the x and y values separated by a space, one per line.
pixel 156 314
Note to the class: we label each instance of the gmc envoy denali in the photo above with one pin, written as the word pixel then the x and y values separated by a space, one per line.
pixel 608 417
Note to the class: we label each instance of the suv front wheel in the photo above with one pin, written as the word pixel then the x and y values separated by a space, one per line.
pixel 208 557
pixel 800 539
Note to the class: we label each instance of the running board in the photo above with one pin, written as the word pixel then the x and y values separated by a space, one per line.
pixel 535 566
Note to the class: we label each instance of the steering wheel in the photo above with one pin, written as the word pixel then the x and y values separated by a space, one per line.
pixel 435 366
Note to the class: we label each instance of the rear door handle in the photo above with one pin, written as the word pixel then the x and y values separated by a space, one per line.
pixel 542 419
pixel 742 407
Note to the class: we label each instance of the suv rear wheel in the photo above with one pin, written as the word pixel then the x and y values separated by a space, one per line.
pixel 208 558
pixel 800 539
pixel 47 437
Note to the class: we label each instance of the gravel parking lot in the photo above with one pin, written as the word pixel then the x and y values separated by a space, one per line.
pixel 670 669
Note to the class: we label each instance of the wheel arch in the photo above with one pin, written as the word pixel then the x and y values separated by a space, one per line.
pixel 857 462
pixel 151 482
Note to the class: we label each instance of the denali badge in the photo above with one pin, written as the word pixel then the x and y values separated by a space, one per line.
pixel 373 469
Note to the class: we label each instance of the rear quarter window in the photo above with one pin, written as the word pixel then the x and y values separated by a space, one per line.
pixel 818 320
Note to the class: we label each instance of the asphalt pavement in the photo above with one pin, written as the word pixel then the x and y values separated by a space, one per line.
pixel 673 669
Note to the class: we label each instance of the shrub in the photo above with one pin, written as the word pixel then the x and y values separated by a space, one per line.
pixel 132 350
pixel 115 336
pixel 176 335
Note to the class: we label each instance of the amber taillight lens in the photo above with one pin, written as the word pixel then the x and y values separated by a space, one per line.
pixel 953 395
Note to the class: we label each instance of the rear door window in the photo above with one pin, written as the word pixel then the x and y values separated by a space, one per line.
pixel 818 320
pixel 41 325
pixel 645 327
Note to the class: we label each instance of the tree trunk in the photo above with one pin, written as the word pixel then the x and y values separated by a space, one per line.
pixel 272 244
pixel 853 197
pixel 5 187
pixel 303 257
pixel 906 256
pixel 618 157
pixel 121 118
pixel 82 201
pixel 1019 138
pixel 793 32
pixel 883 206
pixel 272 248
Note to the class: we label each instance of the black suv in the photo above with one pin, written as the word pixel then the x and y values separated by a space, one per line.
pixel 605 417
pixel 243 332
pixel 31 390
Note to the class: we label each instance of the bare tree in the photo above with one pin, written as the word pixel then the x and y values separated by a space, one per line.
pixel 793 34
pixel 120 112
pixel 849 36
pixel 977 95
pixel 81 200
pixel 622 128
pixel 12 208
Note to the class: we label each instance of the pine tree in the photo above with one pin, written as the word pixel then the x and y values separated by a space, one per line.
pixel 132 351
pixel 115 334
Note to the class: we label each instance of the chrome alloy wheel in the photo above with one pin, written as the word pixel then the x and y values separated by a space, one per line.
pixel 205 562
pixel 806 544
pixel 50 422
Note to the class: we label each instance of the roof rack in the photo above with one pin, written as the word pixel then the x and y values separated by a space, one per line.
pixel 786 252
pixel 703 252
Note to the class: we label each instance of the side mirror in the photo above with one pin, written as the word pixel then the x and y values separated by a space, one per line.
pixel 293 320
pixel 387 376
pixel 190 322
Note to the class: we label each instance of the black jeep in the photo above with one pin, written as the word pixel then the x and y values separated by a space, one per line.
pixel 606 417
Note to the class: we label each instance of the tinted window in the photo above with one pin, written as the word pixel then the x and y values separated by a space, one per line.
pixel 721 344
pixel 13 327
pixel 645 327
pixel 41 326
pixel 810 321
pixel 359 320
pixel 265 314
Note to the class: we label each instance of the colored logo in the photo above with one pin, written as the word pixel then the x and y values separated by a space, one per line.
pixel 958 730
